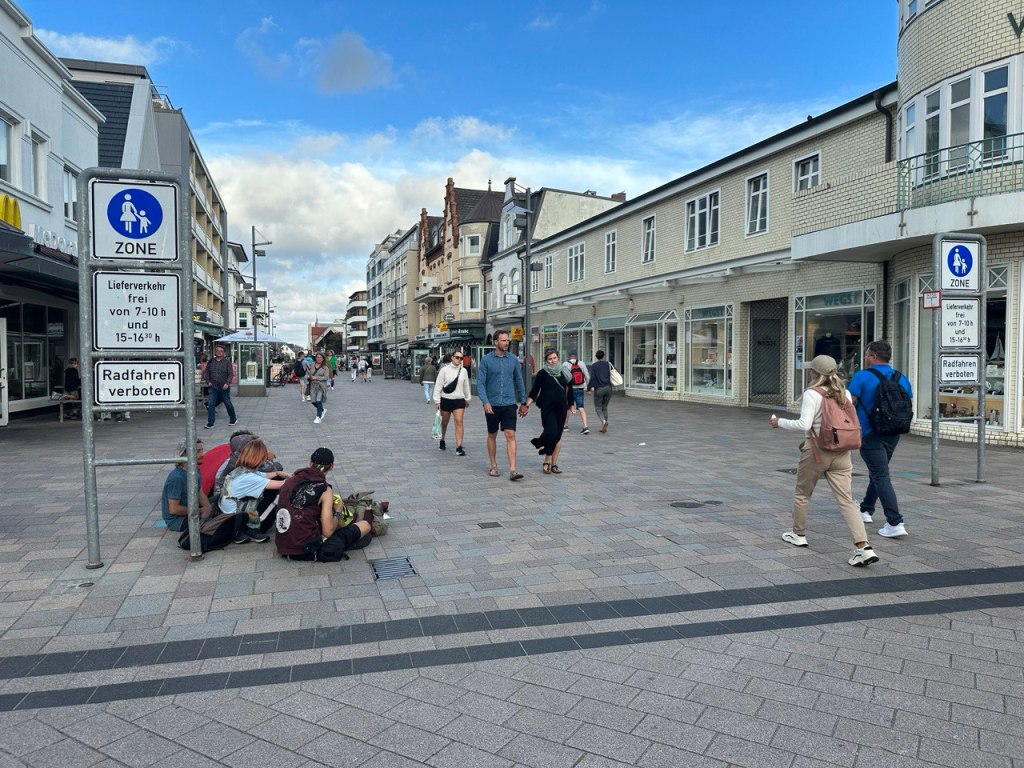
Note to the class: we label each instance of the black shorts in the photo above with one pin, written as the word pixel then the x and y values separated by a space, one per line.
pixel 449 404
pixel 504 417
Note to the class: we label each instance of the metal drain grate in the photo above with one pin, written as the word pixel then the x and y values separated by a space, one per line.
pixel 392 568
pixel 687 504
pixel 490 525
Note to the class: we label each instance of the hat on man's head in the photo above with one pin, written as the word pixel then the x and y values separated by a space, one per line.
pixel 824 364
pixel 572 353
pixel 183 446
pixel 322 457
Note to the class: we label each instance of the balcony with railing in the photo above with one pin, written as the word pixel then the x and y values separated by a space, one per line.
pixel 428 291
pixel 991 166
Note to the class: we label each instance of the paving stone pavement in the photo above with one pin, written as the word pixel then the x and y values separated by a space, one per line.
pixel 572 620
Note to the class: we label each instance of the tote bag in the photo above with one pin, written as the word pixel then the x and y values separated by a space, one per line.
pixel 435 432
pixel 614 376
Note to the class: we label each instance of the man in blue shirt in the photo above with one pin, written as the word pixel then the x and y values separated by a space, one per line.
pixel 876 450
pixel 174 498
pixel 499 382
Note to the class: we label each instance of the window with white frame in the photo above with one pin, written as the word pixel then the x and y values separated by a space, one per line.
pixel 610 246
pixel 499 297
pixel 575 263
pixel 6 152
pixel 474 245
pixel 451 270
pixel 34 180
pixel 515 286
pixel 807 172
pixel 70 194
pixel 966 118
pixel 534 280
pixel 647 248
pixel 702 222
pixel 757 204
pixel 549 263
pixel 471 297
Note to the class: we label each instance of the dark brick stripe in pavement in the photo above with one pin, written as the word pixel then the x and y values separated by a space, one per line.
pixel 452 624
pixel 217 681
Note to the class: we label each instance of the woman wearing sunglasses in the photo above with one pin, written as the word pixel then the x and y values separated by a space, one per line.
pixel 451 394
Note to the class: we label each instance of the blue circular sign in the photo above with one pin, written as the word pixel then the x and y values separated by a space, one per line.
pixel 135 214
pixel 960 261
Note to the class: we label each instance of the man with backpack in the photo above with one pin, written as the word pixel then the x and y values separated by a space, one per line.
pixel 575 371
pixel 885 407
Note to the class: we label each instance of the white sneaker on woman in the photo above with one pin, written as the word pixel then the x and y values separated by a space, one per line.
pixel 316 420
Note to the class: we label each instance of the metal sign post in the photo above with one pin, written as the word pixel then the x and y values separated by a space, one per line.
pixel 960 263
pixel 135 311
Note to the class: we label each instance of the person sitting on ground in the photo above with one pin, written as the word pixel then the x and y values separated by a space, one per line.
pixel 174 498
pixel 307 528
pixel 243 488
pixel 236 443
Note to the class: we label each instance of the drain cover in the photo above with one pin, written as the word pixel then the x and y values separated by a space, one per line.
pixel 392 568
pixel 490 525
pixel 687 504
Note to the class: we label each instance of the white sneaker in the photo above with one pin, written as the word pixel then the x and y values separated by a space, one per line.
pixel 892 531
pixel 792 538
pixel 316 420
pixel 862 557
pixel 866 517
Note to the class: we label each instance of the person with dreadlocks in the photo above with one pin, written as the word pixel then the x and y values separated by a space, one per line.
pixel 307 528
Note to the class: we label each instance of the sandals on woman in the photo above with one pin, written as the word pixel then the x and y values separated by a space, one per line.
pixel 555 470
pixel 493 472
pixel 546 468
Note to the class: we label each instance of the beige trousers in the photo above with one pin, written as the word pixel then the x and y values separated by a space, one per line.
pixel 837 468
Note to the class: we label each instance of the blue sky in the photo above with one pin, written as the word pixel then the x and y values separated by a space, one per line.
pixel 329 124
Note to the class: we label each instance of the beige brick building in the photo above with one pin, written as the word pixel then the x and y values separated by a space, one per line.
pixel 721 285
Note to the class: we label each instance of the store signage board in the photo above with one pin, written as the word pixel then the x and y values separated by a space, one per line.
pixel 931 299
pixel 960 324
pixel 959 369
pixel 136 221
pixel 139 382
pixel 136 310
pixel 959 267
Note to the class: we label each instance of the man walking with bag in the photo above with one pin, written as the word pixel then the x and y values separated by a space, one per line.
pixel 217 375
pixel 883 397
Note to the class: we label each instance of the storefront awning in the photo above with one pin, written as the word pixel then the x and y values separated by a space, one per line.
pixel 23 262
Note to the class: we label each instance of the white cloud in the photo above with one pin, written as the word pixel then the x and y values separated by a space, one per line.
pixel 544 23
pixel 252 43
pixel 464 129
pixel 122 50
pixel 346 64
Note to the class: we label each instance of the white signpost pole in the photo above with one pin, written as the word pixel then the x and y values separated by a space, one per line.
pixel 958 325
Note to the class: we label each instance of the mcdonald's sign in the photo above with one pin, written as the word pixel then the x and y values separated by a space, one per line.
pixel 10 211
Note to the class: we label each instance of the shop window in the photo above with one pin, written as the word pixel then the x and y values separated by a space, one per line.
pixel 577 335
pixel 708 333
pixel 836 324
pixel 652 340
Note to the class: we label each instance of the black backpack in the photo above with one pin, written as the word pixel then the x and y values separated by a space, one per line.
pixel 893 410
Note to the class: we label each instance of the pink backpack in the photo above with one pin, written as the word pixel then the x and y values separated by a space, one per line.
pixel 840 428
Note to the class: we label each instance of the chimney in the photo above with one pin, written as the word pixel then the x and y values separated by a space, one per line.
pixel 619 197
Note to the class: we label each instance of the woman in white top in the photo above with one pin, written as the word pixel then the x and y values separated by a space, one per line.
pixel 836 466
pixel 451 395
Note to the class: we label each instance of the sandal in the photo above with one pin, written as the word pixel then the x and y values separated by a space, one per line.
pixel 555 470
pixel 513 476
pixel 547 468
pixel 493 472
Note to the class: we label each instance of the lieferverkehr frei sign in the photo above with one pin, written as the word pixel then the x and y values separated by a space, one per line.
pixel 134 221
pixel 138 382
pixel 136 310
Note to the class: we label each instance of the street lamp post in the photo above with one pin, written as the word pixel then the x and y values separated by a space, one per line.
pixel 255 299
pixel 524 220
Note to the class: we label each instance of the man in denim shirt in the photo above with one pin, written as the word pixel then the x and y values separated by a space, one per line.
pixel 499 382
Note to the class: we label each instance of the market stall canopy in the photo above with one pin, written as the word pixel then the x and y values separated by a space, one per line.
pixel 247 335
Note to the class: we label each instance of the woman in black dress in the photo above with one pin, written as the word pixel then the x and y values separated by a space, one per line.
pixel 551 391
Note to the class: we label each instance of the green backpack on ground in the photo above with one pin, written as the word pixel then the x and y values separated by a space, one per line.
pixel 361 506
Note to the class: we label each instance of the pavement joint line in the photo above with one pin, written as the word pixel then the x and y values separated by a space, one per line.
pixel 217 681
pixel 117 657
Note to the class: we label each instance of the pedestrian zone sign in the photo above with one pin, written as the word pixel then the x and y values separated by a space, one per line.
pixel 959 267
pixel 134 221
